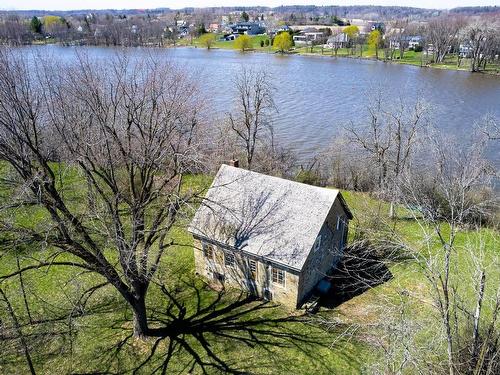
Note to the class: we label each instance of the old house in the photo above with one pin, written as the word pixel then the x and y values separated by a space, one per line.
pixel 273 237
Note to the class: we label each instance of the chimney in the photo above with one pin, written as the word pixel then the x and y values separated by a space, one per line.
pixel 234 163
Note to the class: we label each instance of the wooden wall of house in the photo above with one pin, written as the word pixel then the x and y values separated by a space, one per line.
pixel 238 276
pixel 320 262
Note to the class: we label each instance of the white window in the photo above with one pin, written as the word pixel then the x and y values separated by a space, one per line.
pixel 278 276
pixel 252 268
pixel 229 259
pixel 208 251
pixel 339 221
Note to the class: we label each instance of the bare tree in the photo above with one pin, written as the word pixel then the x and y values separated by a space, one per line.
pixel 254 106
pixel 130 131
pixel 390 139
pixel 482 40
pixel 442 33
pixel 398 37
pixel 100 152
pixel 489 125
pixel 14 31
pixel 338 38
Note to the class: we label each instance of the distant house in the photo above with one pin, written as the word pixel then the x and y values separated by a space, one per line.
pixel 309 35
pixel 380 26
pixel 415 41
pixel 249 28
pixel 283 28
pixel 213 28
pixel 229 37
pixel 340 40
pixel 408 41
pixel 465 49
pixel 272 237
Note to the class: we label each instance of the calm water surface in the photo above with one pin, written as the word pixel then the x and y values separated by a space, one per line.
pixel 316 96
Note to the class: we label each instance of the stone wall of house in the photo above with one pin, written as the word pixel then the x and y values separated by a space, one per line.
pixel 322 260
pixel 239 275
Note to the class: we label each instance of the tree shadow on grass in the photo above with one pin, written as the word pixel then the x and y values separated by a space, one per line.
pixel 195 336
pixel 361 268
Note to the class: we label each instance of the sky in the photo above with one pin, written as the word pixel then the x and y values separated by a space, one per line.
pixel 176 4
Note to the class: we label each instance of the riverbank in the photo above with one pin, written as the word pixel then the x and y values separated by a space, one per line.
pixel 409 58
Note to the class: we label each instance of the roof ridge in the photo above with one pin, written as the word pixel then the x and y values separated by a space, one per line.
pixel 321 188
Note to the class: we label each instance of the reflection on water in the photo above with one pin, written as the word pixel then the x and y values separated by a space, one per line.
pixel 316 96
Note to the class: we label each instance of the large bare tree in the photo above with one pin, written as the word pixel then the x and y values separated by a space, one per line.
pixel 254 106
pixel 97 153
pixel 128 130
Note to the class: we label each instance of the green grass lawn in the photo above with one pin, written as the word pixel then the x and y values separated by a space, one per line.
pixel 222 44
pixel 51 291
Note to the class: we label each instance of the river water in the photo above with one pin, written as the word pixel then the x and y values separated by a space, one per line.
pixel 317 96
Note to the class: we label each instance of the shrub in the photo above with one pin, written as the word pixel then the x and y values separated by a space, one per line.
pixel 243 43
pixel 309 177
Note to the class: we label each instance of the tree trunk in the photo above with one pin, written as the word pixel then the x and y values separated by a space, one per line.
pixel 392 210
pixel 140 318
pixel 477 315
pixel 17 327
pixel 23 290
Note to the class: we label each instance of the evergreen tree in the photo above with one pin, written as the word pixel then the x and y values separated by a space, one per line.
pixel 36 25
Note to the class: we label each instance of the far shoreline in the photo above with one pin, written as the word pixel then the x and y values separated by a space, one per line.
pixel 361 58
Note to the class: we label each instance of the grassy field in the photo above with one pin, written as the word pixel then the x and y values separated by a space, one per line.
pixel 51 292
pixel 229 44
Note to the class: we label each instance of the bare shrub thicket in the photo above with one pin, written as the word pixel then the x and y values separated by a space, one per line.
pixel 448 197
pixel 374 153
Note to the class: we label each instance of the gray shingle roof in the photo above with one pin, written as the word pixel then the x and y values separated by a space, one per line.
pixel 263 215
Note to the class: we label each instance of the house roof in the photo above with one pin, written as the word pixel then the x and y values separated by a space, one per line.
pixel 263 215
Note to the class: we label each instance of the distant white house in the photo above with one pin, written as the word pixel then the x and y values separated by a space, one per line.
pixel 465 49
pixel 308 35
pixel 415 41
pixel 409 41
pixel 340 40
